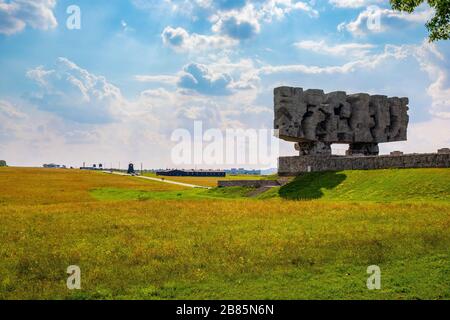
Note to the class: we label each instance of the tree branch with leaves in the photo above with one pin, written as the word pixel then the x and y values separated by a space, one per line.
pixel 439 26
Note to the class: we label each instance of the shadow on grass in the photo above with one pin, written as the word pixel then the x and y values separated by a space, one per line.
pixel 309 185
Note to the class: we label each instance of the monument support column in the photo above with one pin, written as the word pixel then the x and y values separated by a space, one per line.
pixel 367 149
pixel 313 148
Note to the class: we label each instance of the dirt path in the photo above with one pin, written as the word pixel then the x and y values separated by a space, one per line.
pixel 160 180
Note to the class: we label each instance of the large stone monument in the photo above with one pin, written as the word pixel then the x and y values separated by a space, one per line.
pixel 315 120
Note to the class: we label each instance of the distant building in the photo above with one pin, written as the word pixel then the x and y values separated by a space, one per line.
pixel 242 171
pixel 54 166
pixel 90 168
pixel 444 151
pixel 191 173
pixel 95 166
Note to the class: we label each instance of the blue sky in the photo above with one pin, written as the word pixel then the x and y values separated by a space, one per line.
pixel 116 89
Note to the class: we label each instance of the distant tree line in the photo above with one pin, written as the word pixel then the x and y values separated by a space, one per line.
pixel 2 163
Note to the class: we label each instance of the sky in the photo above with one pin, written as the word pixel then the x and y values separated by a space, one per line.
pixel 114 88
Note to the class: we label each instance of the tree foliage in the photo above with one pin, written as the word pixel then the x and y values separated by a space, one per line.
pixel 2 163
pixel 439 26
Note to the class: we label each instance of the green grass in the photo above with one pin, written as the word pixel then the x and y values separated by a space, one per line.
pixel 133 240
pixel 120 194
pixel 228 250
pixel 371 185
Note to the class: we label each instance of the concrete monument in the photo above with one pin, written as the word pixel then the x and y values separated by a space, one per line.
pixel 315 120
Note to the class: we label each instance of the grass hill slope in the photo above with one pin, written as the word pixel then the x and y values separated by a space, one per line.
pixel 371 185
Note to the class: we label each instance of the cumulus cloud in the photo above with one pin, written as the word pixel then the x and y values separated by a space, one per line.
pixel 15 15
pixel 245 22
pixel 433 62
pixel 237 24
pixel 375 19
pixel 199 78
pixel 76 94
pixel 219 78
pixel 180 39
pixel 237 29
pixel 231 20
pixel 344 49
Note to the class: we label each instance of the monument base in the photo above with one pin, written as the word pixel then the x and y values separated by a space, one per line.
pixel 289 166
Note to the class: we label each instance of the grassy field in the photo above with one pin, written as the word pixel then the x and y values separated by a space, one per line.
pixel 133 240
pixel 28 186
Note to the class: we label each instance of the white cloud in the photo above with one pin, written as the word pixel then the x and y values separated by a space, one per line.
pixel 375 19
pixel 231 20
pixel 238 24
pixel 345 49
pixel 180 39
pixel 368 62
pixel 437 67
pixel 245 22
pixel 221 77
pixel 200 78
pixel 76 94
pixel 15 15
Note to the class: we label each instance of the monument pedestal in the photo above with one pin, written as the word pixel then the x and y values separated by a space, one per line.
pixel 291 166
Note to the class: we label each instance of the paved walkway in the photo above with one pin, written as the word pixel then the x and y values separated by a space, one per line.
pixel 159 180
